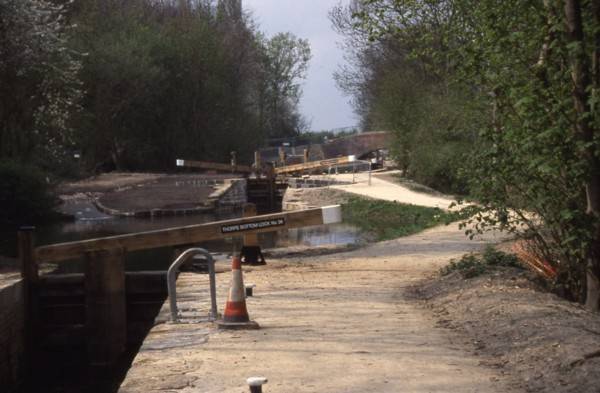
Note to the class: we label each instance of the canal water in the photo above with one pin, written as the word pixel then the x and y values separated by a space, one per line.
pixel 91 223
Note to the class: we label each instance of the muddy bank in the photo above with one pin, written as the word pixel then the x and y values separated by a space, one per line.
pixel 106 182
pixel 144 194
pixel 519 329
pixel 169 193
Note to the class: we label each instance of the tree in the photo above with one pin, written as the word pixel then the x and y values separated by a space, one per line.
pixel 585 85
pixel 166 80
pixel 135 84
pixel 534 66
pixel 230 10
pixel 39 86
pixel 286 60
pixel 433 119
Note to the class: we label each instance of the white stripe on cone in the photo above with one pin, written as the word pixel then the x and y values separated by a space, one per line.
pixel 236 292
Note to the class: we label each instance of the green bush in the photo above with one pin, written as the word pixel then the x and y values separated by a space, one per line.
pixel 438 166
pixel 25 195
pixel 471 265
pixel 493 257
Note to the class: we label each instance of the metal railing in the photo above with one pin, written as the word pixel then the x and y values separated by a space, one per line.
pixel 353 164
pixel 172 277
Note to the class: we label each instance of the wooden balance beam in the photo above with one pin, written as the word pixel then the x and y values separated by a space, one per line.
pixel 189 234
pixel 214 166
pixel 313 165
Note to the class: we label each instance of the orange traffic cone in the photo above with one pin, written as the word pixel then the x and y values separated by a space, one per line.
pixel 235 315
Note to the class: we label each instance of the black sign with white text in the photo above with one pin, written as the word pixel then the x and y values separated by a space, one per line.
pixel 275 222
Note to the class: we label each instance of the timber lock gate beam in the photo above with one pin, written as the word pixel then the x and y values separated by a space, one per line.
pixel 105 267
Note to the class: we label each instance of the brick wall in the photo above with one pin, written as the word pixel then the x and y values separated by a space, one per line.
pixel 233 193
pixel 12 336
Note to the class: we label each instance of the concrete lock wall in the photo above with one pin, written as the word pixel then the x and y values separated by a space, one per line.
pixel 234 193
pixel 12 335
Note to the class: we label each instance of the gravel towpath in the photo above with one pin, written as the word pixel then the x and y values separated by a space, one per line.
pixel 389 191
pixel 335 323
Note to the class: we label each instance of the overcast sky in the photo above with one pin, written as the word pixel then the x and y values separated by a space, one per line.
pixel 322 103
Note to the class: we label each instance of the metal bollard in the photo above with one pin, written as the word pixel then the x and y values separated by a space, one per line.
pixel 250 289
pixel 256 383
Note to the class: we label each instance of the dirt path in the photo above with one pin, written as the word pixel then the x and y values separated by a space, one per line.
pixel 386 190
pixel 337 323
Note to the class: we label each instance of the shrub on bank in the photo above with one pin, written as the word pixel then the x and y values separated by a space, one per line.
pixel 25 195
pixel 471 265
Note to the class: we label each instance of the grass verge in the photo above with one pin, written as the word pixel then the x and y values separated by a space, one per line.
pixel 389 220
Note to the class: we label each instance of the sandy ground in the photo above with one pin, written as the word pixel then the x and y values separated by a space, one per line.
pixel 394 176
pixel 336 323
pixel 307 198
pixel 382 187
pixel 549 344
pixel 386 190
